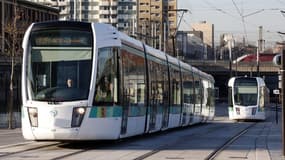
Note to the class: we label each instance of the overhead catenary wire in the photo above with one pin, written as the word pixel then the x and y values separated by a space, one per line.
pixel 244 10
pixel 219 9
pixel 242 19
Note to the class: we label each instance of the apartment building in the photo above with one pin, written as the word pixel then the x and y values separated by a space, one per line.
pixel 119 13
pixel 127 16
pixel 156 22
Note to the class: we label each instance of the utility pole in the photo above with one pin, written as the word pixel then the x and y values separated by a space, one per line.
pixel 260 49
pixel 230 57
pixel 80 10
pixel 2 29
pixel 283 98
pixel 164 37
pixel 155 36
pixel 175 31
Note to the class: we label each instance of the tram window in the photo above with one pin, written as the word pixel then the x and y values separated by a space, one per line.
pixel 262 96
pixel 158 70
pixel 133 75
pixel 197 91
pixel 156 83
pixel 106 91
pixel 202 91
pixel 211 95
pixel 188 90
pixel 175 85
pixel 230 99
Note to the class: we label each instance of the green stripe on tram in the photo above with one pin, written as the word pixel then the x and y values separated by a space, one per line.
pixel 175 109
pixel 105 111
pixel 115 111
pixel 134 111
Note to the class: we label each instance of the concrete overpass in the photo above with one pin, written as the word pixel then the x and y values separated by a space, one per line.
pixel 221 72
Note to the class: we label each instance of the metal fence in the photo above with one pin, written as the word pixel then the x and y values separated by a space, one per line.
pixel 4 96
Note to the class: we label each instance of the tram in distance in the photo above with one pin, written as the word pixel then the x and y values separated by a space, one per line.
pixel 88 81
pixel 248 98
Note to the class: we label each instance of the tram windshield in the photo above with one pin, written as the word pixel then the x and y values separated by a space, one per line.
pixel 245 91
pixel 59 65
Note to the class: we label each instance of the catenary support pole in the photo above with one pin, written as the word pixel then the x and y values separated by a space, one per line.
pixel 283 100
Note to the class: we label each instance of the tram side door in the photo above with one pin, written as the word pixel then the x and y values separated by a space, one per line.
pixel 153 106
pixel 166 106
pixel 124 90
pixel 125 111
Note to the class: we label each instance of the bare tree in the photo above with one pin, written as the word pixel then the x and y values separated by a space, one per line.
pixel 12 42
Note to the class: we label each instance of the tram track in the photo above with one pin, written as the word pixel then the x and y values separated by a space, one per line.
pixel 60 151
pixel 216 152
pixel 6 151
pixel 189 137
pixel 162 147
pixel 70 154
pixel 262 134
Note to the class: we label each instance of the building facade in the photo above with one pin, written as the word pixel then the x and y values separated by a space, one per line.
pixel 119 13
pixel 156 22
pixel 208 36
pixel 27 12
pixel 153 21
pixel 127 16
pixel 191 47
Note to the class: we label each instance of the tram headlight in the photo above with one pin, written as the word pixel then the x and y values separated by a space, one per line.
pixel 77 116
pixel 33 116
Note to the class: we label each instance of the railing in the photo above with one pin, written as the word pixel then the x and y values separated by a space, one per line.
pixel 211 65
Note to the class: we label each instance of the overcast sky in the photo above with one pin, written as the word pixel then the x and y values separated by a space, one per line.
pixel 226 15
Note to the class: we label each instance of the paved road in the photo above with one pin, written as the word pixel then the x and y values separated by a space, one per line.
pixel 262 141
pixel 11 136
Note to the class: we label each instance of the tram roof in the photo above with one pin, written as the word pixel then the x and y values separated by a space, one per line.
pixel 185 66
pixel 111 35
pixel 259 80
pixel 130 41
pixel 173 60
pixel 106 35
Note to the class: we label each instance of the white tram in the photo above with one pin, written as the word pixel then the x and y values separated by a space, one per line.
pixel 87 81
pixel 248 97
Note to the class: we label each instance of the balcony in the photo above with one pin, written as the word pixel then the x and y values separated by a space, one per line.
pixel 114 3
pixel 113 12
pixel 104 12
pixel 103 20
pixel 104 3
pixel 114 21
pixel 55 3
pixel 108 3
